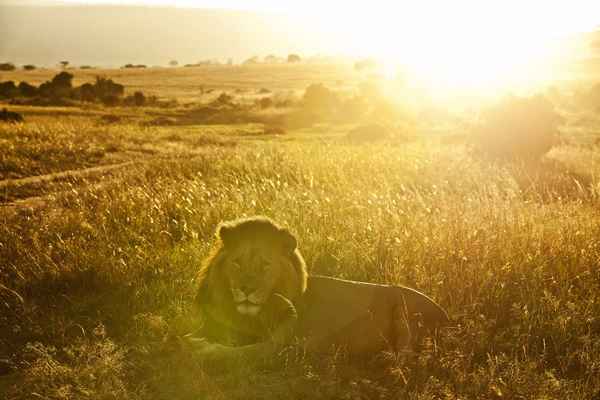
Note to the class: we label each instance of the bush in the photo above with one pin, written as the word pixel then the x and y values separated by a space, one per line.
pixel 86 67
pixel 110 100
pixel 294 58
pixel 63 79
pixel 161 121
pixel 369 133
pixel 27 90
pixel 59 87
pixel 7 67
pixel 273 130
pixel 137 99
pixel 106 88
pixel 224 99
pixel 318 97
pixel 87 92
pixel 265 102
pixel 127 66
pixel 110 119
pixel 29 67
pixel 8 89
pixel 518 128
pixel 10 116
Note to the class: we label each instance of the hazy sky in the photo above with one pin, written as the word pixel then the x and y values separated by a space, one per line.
pixel 456 40
pixel 550 16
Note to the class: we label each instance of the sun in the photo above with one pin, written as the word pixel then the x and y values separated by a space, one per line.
pixel 465 45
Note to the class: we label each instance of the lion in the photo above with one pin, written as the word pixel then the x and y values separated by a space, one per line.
pixel 256 297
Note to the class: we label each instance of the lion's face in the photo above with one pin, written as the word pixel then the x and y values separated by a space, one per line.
pixel 254 259
pixel 252 272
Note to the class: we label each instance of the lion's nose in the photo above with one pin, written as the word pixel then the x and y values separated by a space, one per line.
pixel 245 289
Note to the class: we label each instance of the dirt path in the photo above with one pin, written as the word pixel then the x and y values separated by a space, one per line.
pixel 77 173
pixel 36 182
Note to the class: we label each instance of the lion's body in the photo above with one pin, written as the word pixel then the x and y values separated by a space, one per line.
pixel 363 318
pixel 255 296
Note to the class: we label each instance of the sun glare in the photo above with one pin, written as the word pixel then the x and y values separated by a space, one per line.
pixel 467 45
pixel 462 44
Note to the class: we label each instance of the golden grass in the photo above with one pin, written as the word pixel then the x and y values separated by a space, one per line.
pixel 97 277
pixel 106 274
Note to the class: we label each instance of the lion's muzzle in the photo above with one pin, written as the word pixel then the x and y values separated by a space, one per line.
pixel 246 304
pixel 247 308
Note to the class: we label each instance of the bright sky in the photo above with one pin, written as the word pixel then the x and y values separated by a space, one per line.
pixel 446 42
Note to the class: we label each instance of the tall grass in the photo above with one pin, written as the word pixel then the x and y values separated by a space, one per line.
pixel 99 283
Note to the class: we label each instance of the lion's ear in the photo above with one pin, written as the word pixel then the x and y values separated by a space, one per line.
pixel 226 233
pixel 289 241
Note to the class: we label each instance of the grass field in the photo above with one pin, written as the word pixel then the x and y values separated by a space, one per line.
pixel 98 266
pixel 186 84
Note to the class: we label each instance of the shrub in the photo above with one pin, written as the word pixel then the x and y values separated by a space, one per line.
pixel 223 99
pixel 369 133
pixel 29 67
pixel 133 66
pixel 27 90
pixel 63 79
pixel 265 102
pixel 60 86
pixel 8 89
pixel 10 116
pixel 105 88
pixel 87 92
pixel 318 97
pixel 273 130
pixel 294 58
pixel 7 67
pixel 161 121
pixel 110 119
pixel 110 100
pixel 137 99
pixel 518 128
pixel 251 60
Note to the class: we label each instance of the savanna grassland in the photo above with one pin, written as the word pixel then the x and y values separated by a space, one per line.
pixel 104 224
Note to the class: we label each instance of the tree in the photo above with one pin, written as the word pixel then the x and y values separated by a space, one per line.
pixel 251 60
pixel 64 64
pixel 173 63
pixel 294 58
pixel 271 59
pixel 518 128
pixel 29 67
pixel 63 80
pixel 7 66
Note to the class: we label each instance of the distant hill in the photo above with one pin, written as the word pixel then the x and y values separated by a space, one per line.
pixel 116 35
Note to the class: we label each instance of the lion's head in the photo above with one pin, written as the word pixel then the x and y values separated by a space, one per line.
pixel 253 259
